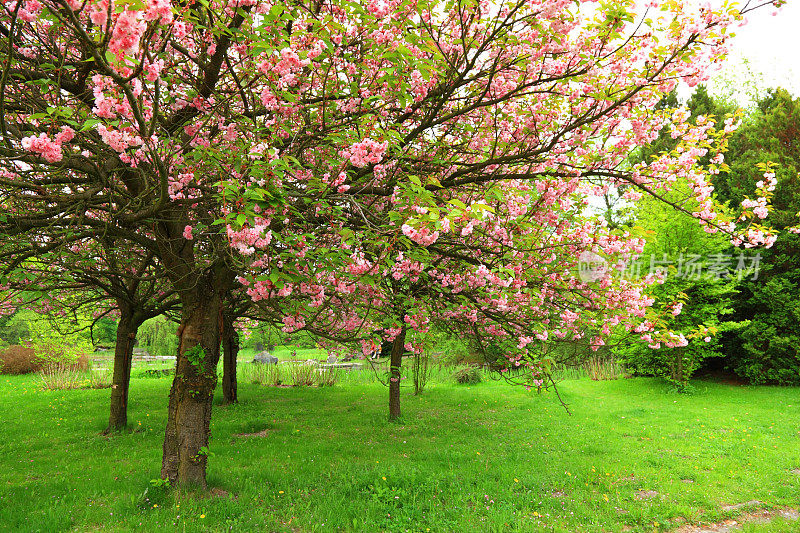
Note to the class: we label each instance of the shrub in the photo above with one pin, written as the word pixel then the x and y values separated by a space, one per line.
pixel 769 345
pixel 301 374
pixel 19 360
pixel 707 303
pixel 57 377
pixel 295 374
pixel 269 375
pixel 61 377
pixel 327 377
pixel 600 368
pixel 98 378
pixel 468 375
pixel 63 367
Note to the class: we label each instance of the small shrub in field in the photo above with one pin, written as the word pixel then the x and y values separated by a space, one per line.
pixel 56 377
pixel 600 369
pixel 420 372
pixel 62 377
pixel 269 375
pixel 19 360
pixel 98 378
pixel 302 375
pixel 63 367
pixel 296 375
pixel 468 375
pixel 327 377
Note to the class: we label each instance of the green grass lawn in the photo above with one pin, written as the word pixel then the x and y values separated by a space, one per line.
pixel 488 457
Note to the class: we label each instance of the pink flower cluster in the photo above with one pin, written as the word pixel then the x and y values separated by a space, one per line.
pixel 249 238
pixel 293 323
pixel 286 66
pixel 159 9
pixel 49 149
pixel 365 152
pixel 177 185
pixel 119 140
pixel 404 267
pixel 422 236
pixel 128 31
pixel 381 8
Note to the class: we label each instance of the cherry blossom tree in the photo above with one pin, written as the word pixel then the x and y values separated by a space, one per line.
pixel 308 149
pixel 96 279
pixel 467 202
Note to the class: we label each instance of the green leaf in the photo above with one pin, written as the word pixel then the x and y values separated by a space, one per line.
pixel 276 11
pixel 89 124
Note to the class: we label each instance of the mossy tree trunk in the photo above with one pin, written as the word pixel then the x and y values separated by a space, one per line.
pixel 189 413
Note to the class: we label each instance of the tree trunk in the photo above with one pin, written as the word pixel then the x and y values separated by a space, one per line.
pixel 190 398
pixel 230 350
pixel 123 357
pixel 396 362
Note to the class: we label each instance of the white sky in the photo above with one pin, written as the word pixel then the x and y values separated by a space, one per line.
pixel 765 53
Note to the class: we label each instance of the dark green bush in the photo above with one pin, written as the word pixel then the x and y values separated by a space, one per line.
pixel 770 344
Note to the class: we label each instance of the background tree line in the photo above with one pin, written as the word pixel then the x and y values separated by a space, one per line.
pixel 754 316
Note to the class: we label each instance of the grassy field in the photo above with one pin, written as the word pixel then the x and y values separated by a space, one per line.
pixel 489 457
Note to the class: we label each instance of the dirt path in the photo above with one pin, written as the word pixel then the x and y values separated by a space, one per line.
pixel 753 516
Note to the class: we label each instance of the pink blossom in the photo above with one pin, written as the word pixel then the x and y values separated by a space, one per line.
pixel 65 135
pixel 44 146
pixel 365 152
pixel 128 30
pixel 159 9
